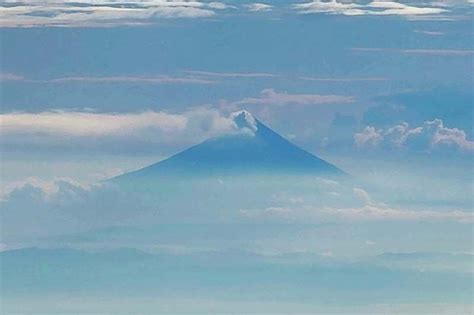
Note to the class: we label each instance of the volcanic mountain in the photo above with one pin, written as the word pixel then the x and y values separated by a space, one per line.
pixel 252 149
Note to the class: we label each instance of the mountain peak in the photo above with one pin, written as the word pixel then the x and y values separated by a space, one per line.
pixel 245 120
pixel 265 152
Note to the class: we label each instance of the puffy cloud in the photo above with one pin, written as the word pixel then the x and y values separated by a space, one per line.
pixel 371 8
pixel 90 13
pixel 258 7
pixel 431 135
pixel 271 97
pixel 368 137
pixel 448 136
pixel 42 190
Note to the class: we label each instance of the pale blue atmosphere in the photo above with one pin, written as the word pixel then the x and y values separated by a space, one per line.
pixel 236 157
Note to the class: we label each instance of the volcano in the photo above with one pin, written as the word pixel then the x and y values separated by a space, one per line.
pixel 252 149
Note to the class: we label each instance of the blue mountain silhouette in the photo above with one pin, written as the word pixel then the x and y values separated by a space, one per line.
pixel 252 149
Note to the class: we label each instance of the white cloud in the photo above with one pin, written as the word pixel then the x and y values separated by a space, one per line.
pixel 109 130
pixel 41 189
pixel 431 135
pixel 271 97
pixel 371 8
pixel 368 211
pixel 89 124
pixel 160 79
pixel 362 79
pixel 233 74
pixel 431 33
pixel 258 7
pixel 447 136
pixel 378 212
pixel 90 13
pixel 428 52
pixel 363 195
pixel 369 137
pixel 10 77
pixel 243 119
pixel 363 213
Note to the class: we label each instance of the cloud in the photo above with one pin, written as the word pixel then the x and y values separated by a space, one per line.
pixel 368 211
pixel 10 77
pixel 377 212
pixel 40 189
pixel 148 130
pixel 271 97
pixel 89 124
pixel 448 136
pixel 363 195
pixel 431 135
pixel 364 213
pixel 431 33
pixel 368 79
pixel 91 13
pixel 369 137
pixel 371 8
pixel 258 7
pixel 161 79
pixel 233 74
pixel 429 52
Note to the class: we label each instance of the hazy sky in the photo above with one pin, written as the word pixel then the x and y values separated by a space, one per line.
pixel 360 78
pixel 384 90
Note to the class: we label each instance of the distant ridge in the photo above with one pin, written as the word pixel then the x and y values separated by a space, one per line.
pixel 253 149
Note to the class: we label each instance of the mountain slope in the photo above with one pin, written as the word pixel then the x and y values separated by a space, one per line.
pixel 253 148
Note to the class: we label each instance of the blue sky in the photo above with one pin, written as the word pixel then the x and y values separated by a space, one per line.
pixel 383 89
pixel 316 76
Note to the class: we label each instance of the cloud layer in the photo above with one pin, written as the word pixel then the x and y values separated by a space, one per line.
pixel 371 8
pixel 110 13
pixel 272 97
pixel 431 135
pixel 92 13
pixel 368 211
pixel 83 128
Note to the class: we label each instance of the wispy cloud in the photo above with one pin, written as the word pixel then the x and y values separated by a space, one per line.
pixel 364 213
pixel 143 79
pixel 349 79
pixel 233 74
pixel 91 13
pixel 258 7
pixel 433 52
pixel 371 8
pixel 369 211
pixel 161 79
pixel 10 77
pixel 431 33
pixel 271 97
